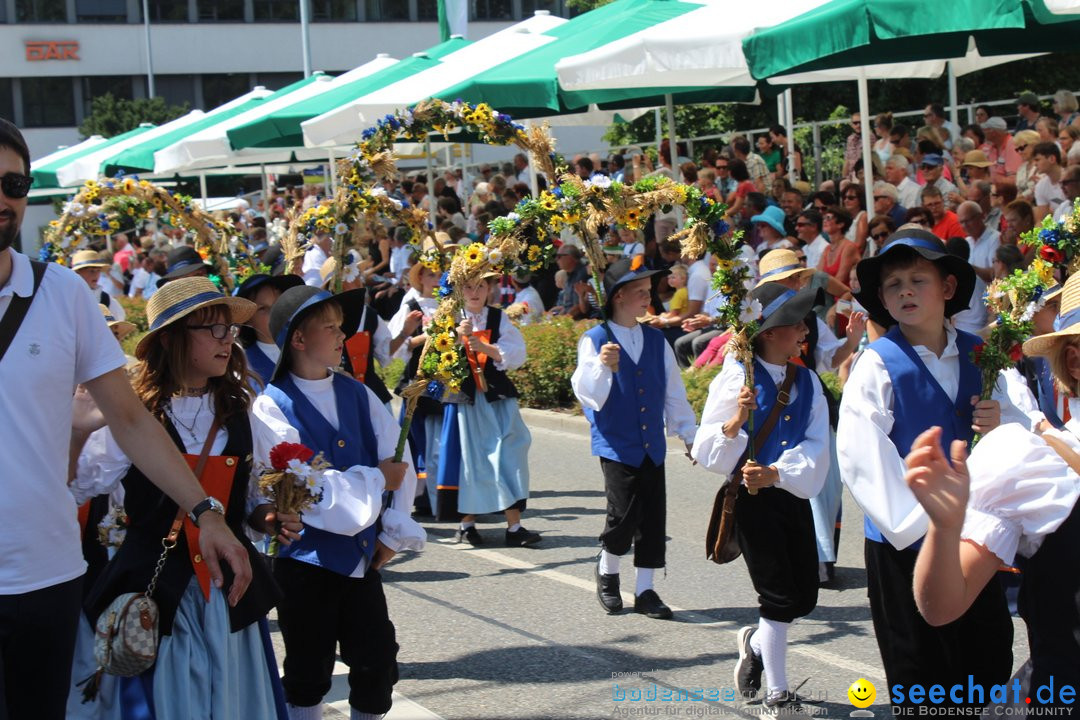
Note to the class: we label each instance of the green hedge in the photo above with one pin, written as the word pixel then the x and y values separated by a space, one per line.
pixel 697 382
pixel 544 379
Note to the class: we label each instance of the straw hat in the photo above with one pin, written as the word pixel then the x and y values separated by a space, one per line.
pixel 89 259
pixel 975 158
pixel 1068 319
pixel 180 298
pixel 781 264
pixel 123 327
pixel 448 248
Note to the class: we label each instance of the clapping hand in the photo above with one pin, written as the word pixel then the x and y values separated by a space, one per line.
pixel 940 487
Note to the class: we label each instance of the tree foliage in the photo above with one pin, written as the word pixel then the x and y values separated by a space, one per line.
pixel 110 116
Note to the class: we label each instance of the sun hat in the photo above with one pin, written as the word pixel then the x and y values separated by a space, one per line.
pixel 251 285
pixel 122 327
pixel 182 261
pixel 89 259
pixel 442 240
pixel 1068 318
pixel 913 239
pixel 296 303
pixel 779 265
pixel 782 306
pixel 1029 98
pixel 975 158
pixel 625 271
pixel 182 297
pixel 932 159
pixel 772 216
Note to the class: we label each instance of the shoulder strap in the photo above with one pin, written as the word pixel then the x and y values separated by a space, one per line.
pixel 783 399
pixel 178 522
pixel 18 308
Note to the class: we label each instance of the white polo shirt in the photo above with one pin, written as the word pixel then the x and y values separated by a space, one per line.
pixel 63 341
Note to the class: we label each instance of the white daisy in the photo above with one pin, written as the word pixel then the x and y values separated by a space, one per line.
pixel 751 310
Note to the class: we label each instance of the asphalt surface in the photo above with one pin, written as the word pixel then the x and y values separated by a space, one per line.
pixel 497 632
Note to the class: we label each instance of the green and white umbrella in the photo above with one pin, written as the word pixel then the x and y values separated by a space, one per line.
pixel 43 170
pixel 136 152
pixel 282 127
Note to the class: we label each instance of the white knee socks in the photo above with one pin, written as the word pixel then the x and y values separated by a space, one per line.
pixel 313 712
pixel 770 642
pixel 609 564
pixel 644 580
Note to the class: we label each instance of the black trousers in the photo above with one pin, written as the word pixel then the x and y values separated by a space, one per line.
pixel 37 645
pixel 776 534
pixel 322 609
pixel 636 511
pixel 978 644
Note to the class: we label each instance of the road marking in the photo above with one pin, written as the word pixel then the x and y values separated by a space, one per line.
pixel 872 672
pixel 402 709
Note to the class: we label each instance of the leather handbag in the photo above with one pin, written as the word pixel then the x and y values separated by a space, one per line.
pixel 721 541
pixel 126 633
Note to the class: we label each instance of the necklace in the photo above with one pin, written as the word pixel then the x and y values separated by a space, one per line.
pixel 189 428
pixel 193 392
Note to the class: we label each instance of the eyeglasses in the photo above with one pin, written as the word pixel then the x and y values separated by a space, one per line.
pixel 16 186
pixel 926 166
pixel 880 197
pixel 721 167
pixel 801 223
pixel 851 197
pixel 880 235
pixel 1021 148
pixel 219 331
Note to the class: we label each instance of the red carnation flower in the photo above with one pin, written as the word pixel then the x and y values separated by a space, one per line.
pixel 1016 354
pixel 977 353
pixel 1051 254
pixel 282 453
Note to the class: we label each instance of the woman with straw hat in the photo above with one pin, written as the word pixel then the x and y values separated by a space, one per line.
pixel 89 264
pixel 1016 494
pixel 212 660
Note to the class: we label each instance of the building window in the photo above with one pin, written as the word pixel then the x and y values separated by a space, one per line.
pixel 220 89
pixel 221 10
pixel 427 10
pixel 278 80
pixel 276 10
pixel 528 7
pixel 387 10
pixel 119 86
pixel 29 11
pixel 176 89
pixel 167 11
pixel 7 102
pixel 107 11
pixel 333 10
pixel 48 102
pixel 492 10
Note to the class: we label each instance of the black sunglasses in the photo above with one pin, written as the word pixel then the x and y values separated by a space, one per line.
pixel 219 331
pixel 16 186
pixel 880 235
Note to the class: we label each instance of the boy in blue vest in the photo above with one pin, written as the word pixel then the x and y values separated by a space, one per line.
pixel 332 590
pixel 629 384
pixel 920 374
pixel 775 525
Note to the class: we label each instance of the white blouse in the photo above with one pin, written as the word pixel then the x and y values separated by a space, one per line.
pixel 352 498
pixel 802 469
pixel 511 342
pixel 592 380
pixel 871 466
pixel 428 306
pixel 1021 489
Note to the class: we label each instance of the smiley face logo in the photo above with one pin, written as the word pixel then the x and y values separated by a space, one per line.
pixel 862 693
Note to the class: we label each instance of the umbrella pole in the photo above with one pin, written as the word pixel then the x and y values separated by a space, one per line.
pixel 534 182
pixel 864 124
pixel 202 188
pixel 673 150
pixel 789 123
pixel 266 191
pixel 332 162
pixel 954 111
pixel 430 180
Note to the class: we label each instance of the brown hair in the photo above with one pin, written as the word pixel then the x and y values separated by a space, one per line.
pixel 1060 367
pixel 158 377
pixel 324 312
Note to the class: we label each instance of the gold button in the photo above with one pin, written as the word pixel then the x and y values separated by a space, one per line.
pixel 198 558
pixel 341 443
pixel 642 408
pixel 783 443
pixel 787 418
pixel 646 446
pixel 230 461
pixel 644 427
pixel 364 543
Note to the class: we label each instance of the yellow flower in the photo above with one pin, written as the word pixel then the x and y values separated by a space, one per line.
pixel 128 185
pixel 454 385
pixel 548 201
pixel 534 251
pixel 474 254
pixel 449 357
pixel 725 264
pixel 540 234
pixel 443 371
pixel 572 217
pixel 444 342
pixel 114 224
pixel 323 209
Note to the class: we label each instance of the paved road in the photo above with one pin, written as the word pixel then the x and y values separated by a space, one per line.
pixel 496 632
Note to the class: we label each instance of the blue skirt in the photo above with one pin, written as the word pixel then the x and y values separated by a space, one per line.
pixel 494 456
pixel 203 670
pixel 826 506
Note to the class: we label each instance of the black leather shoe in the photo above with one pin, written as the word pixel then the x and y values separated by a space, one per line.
pixel 607 591
pixel 469 535
pixel 649 604
pixel 521 537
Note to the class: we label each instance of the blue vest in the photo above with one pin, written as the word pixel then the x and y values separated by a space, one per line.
pixel 790 429
pixel 631 423
pixel 354 443
pixel 919 403
pixel 259 363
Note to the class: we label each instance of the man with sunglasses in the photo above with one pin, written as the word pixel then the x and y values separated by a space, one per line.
pixel 886 202
pixel 984 242
pixel 51 340
pixel 808 231
pixel 1070 185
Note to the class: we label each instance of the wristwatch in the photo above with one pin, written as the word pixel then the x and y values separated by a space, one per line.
pixel 211 504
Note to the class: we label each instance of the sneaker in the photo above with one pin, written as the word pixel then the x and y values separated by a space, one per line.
pixel 607 590
pixel 469 535
pixel 786 706
pixel 649 604
pixel 521 538
pixel 749 666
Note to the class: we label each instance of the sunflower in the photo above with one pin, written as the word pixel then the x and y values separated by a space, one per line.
pixel 572 217
pixel 444 342
pixel 454 385
pixel 548 201
pixel 534 252
pixel 450 357
pixel 474 254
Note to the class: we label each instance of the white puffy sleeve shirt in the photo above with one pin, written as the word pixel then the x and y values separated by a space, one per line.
pixel 802 469
pixel 1021 491
pixel 352 498
pixel 592 380
pixel 511 342
pixel 871 466
pixel 428 306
